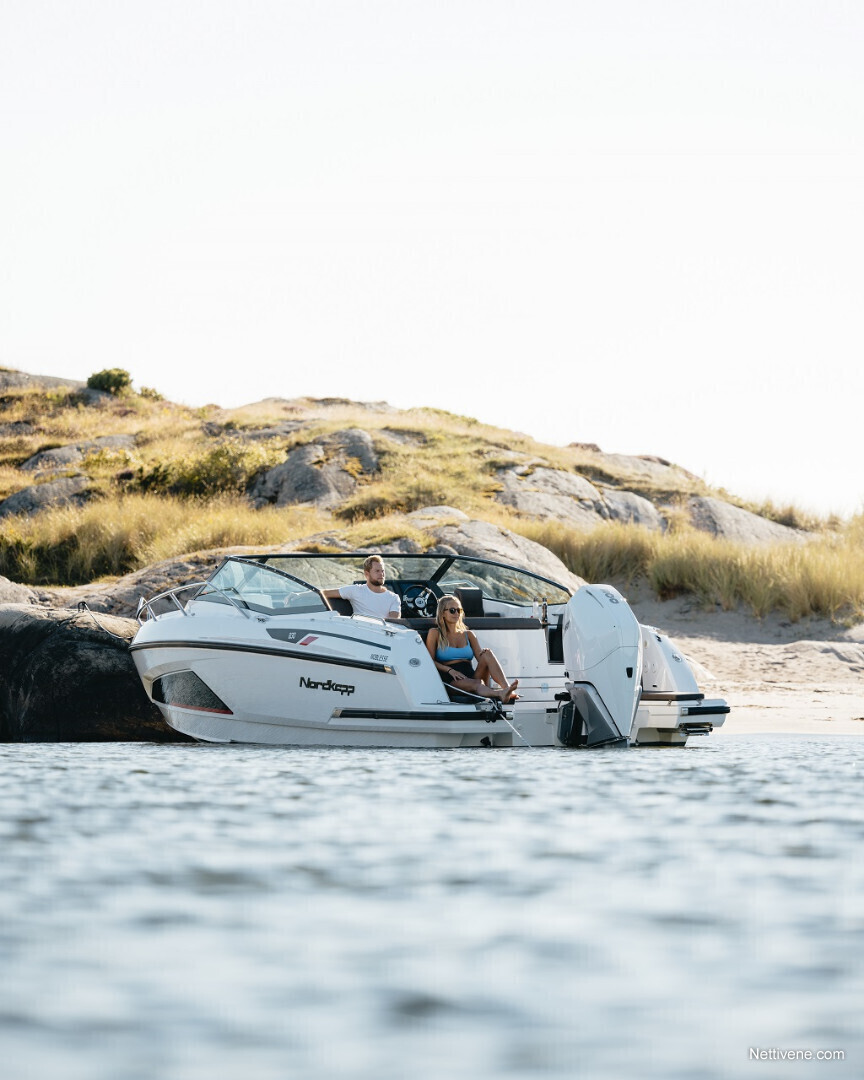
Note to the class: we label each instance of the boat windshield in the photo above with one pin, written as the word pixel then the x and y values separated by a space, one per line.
pixel 508 585
pixel 262 588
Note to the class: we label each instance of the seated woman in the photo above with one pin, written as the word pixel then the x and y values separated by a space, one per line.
pixel 452 646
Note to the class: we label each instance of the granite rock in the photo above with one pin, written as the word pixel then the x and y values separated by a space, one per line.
pixel 486 541
pixel 61 457
pixel 30 500
pixel 730 522
pixel 322 473
pixel 67 677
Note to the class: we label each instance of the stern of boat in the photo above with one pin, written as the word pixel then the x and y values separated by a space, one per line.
pixel 671 705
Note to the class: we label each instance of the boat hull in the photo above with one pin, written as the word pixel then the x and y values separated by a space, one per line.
pixel 373 687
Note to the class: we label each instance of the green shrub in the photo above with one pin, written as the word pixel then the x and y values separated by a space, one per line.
pixel 227 468
pixel 111 380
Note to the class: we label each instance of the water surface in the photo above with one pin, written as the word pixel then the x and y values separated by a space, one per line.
pixel 188 912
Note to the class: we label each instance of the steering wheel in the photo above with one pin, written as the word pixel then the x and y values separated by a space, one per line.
pixel 418 598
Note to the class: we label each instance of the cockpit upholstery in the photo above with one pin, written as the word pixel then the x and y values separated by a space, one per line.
pixel 471 601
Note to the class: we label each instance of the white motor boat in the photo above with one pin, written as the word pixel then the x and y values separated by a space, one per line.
pixel 256 654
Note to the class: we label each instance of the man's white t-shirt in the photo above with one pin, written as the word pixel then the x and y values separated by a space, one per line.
pixel 366 602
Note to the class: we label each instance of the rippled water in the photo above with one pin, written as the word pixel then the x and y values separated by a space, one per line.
pixel 194 913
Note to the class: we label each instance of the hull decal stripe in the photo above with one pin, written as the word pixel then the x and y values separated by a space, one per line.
pixel 264 650
pixel 296 635
pixel 195 708
pixel 410 714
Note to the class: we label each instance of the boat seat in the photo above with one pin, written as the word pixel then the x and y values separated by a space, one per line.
pixel 487 622
pixel 471 601
pixel 340 605
pixel 457 697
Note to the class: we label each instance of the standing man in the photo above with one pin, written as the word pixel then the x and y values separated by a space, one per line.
pixel 372 598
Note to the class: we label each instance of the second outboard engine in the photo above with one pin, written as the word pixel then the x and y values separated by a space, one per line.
pixel 603 659
pixel 664 668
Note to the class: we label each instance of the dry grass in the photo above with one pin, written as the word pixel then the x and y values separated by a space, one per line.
pixel 451 469
pixel 824 577
pixel 75 545
pixel 59 417
pixel 786 514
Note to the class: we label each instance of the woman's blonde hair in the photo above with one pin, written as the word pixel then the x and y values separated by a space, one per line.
pixel 445 602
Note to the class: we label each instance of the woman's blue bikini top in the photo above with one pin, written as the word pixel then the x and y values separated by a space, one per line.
pixel 450 653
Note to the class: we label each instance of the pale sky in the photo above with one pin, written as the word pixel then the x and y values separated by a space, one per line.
pixel 627 222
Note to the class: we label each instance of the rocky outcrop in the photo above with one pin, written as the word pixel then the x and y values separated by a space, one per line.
pixel 646 468
pixel 62 457
pixel 16 429
pixel 730 522
pixel 556 495
pixel 121 597
pixel 582 490
pixel 12 593
pixel 322 473
pixel 20 379
pixel 274 431
pixel 486 541
pixel 427 516
pixel 553 494
pixel 406 437
pixel 31 500
pixel 629 507
pixel 66 677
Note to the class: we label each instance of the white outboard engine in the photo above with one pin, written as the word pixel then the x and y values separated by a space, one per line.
pixel 603 661
pixel 671 707
pixel 664 668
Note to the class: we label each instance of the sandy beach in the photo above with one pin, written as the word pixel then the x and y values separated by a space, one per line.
pixel 778 676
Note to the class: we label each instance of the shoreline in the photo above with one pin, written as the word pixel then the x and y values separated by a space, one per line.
pixel 790 715
pixel 778 677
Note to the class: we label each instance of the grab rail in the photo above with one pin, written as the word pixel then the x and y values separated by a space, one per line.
pixel 145 610
pixel 386 624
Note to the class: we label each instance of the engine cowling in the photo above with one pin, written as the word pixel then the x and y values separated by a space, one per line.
pixel 664 668
pixel 603 660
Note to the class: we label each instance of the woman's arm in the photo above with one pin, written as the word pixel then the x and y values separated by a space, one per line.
pixel 475 645
pixel 432 646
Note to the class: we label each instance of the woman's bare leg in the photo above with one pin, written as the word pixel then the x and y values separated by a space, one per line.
pixel 475 686
pixel 488 665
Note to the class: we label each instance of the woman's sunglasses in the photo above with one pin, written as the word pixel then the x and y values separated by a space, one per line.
pixel 454 610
